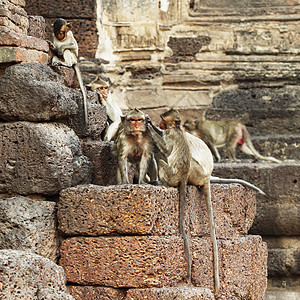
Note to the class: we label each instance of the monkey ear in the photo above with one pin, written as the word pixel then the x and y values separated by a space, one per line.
pixel 69 25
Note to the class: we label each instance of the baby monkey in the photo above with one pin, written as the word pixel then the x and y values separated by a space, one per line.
pixel 65 50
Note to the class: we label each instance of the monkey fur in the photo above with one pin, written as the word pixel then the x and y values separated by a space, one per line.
pixel 65 49
pixel 112 109
pixel 134 144
pixel 225 133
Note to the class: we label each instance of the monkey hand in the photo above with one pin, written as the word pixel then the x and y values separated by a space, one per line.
pixel 148 120
pixel 51 46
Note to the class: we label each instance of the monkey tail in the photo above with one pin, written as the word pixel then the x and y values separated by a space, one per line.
pixel 85 108
pixel 248 148
pixel 214 179
pixel 207 196
pixel 182 198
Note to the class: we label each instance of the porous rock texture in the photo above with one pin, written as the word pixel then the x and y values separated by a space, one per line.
pixel 144 262
pixel 25 275
pixel 40 158
pixel 177 293
pixel 150 210
pixel 95 292
pixel 34 92
pixel 29 225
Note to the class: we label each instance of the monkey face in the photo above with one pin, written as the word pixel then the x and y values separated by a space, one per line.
pixel 104 91
pixel 137 124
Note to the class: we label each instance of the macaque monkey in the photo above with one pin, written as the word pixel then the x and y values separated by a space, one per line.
pixel 133 143
pixel 200 167
pixel 112 109
pixel 65 49
pixel 174 172
pixel 225 133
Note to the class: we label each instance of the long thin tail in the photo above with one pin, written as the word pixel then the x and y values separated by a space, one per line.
pixel 85 108
pixel 249 148
pixel 214 179
pixel 207 195
pixel 182 197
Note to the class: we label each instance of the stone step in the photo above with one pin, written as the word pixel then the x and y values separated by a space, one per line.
pixel 280 146
pixel 145 262
pixel 282 295
pixel 151 210
pixel 183 293
pixel 279 181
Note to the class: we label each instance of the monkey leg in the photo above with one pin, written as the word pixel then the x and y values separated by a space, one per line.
pixel 231 153
pixel 152 170
pixel 143 168
pixel 166 174
pixel 70 58
pixel 122 172
pixel 111 131
pixel 214 151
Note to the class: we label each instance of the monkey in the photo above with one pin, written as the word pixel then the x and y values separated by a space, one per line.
pixel 225 133
pixel 65 49
pixel 134 144
pixel 112 109
pixel 199 173
pixel 174 171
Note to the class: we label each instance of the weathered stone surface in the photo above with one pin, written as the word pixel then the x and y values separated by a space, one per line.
pixel 97 118
pixel 104 162
pixel 37 27
pixel 243 267
pixel 274 179
pixel 141 262
pixel 34 92
pixel 282 295
pixel 150 210
pixel 25 275
pixel 15 18
pixel 17 55
pixel 29 225
pixel 95 292
pixel 10 38
pixel 175 293
pixel 40 158
pixel 276 219
pixel 284 262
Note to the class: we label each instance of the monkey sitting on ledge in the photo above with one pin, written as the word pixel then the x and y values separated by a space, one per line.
pixel 65 53
pixel 225 133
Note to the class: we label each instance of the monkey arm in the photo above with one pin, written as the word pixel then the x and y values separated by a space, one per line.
pixel 159 141
pixel 158 130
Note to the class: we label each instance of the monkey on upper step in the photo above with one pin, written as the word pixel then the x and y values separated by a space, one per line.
pixel 225 133
pixel 65 52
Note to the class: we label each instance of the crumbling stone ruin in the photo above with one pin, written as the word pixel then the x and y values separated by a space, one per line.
pixel 60 207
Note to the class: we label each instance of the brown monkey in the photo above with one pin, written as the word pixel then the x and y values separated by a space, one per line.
pixel 112 109
pixel 225 133
pixel 174 171
pixel 65 49
pixel 199 172
pixel 133 143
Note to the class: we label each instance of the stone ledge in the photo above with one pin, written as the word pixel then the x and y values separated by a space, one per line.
pixel 151 210
pixel 142 262
pixel 10 38
pixel 16 54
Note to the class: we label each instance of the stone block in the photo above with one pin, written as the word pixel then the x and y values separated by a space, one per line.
pixel 268 177
pixel 34 92
pixel 173 293
pixel 29 225
pixel 283 262
pixel 282 295
pixel 104 162
pixel 277 220
pixel 95 292
pixel 15 18
pixel 17 55
pixel 142 262
pixel 10 38
pixel 151 210
pixel 97 118
pixel 40 158
pixel 37 27
pixel 25 275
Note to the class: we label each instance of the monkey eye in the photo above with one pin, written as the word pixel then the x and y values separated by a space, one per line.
pixel 103 88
